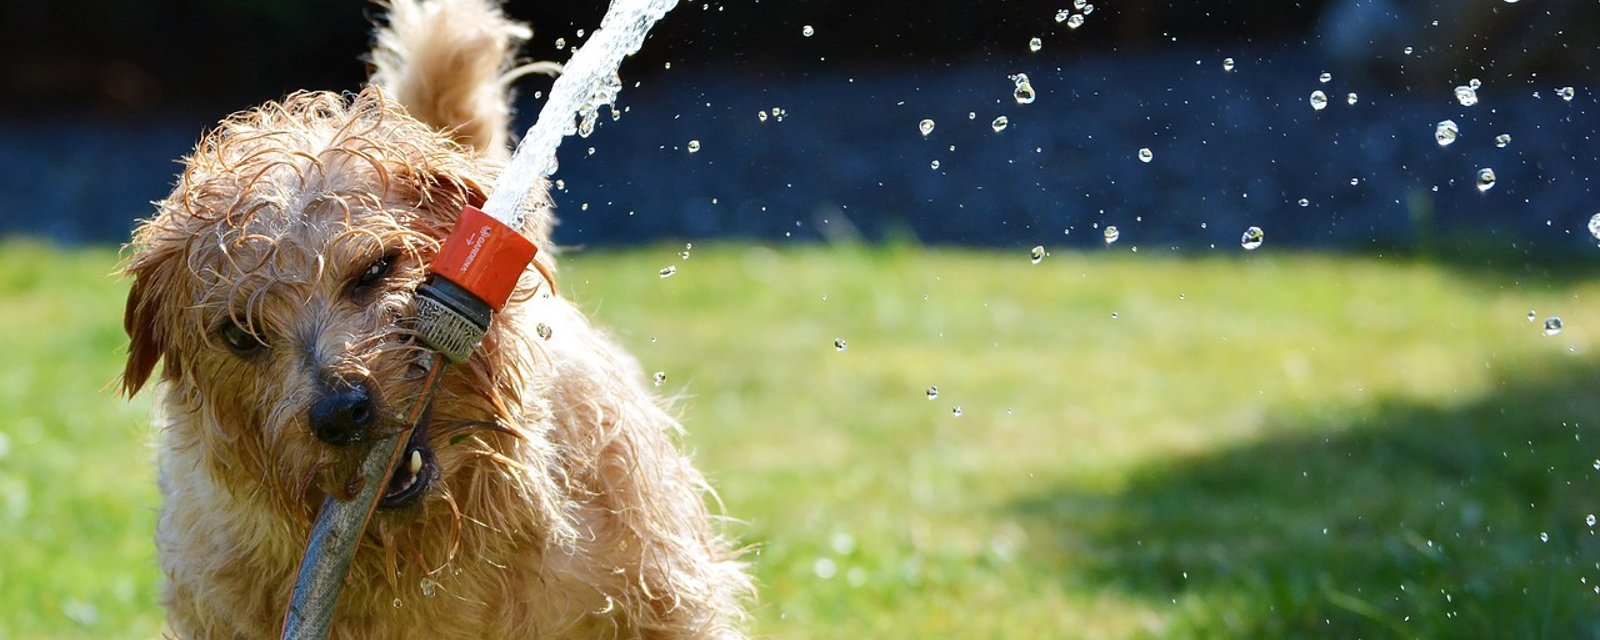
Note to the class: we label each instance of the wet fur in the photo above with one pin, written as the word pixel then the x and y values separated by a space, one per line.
pixel 564 508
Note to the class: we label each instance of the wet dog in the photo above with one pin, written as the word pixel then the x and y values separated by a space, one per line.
pixel 541 496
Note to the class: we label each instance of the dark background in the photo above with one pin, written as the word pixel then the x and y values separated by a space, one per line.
pixel 133 56
pixel 97 98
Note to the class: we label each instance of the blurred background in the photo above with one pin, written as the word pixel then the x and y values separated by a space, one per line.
pixel 942 396
pixel 99 96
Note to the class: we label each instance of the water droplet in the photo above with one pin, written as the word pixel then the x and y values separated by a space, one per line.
pixel 659 377
pixel 1062 15
pixel 1252 238
pixel 428 588
pixel 1035 45
pixel 1036 254
pixel 668 271
pixel 1023 92
pixel 1597 464
pixel 1552 325
pixel 1227 64
pixel 397 603
pixel 1351 98
pixel 694 146
pixel 807 31
pixel 1319 100
pixel 1566 93
pixel 1590 520
pixel 1409 50
pixel 1355 181
pixel 1079 4
pixel 934 165
pixel 1305 202
pixel 1531 317
pixel 1325 78
pixel 1445 132
pixel 561 43
pixel 1146 155
pixel 1544 536
pixel 956 411
pixel 999 124
pixel 1466 95
pixel 1502 140
pixel 839 344
pixel 1114 315
pixel 761 115
pixel 1474 84
pixel 926 126
pixel 1594 226
pixel 1075 20
pixel 933 393
pixel 1485 179
pixel 824 568
pixel 543 330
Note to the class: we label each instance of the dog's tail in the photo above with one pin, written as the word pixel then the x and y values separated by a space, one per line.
pixel 451 63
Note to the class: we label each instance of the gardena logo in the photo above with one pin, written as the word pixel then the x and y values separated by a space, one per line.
pixel 477 245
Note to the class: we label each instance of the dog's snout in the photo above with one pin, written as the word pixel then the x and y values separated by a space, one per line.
pixel 343 415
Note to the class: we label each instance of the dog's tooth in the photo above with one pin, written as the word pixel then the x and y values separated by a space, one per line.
pixel 416 461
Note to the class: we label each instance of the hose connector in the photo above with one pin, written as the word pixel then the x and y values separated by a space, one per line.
pixel 474 274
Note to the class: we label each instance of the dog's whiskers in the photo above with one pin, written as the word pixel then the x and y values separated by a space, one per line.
pixel 447 426
pixel 455 529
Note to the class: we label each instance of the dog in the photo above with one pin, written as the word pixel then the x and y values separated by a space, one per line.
pixel 542 494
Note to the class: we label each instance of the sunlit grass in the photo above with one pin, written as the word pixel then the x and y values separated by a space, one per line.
pixel 1265 444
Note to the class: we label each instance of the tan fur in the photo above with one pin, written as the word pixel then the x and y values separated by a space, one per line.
pixel 564 508
pixel 450 63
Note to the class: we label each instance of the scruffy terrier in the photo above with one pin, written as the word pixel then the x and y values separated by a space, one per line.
pixel 541 496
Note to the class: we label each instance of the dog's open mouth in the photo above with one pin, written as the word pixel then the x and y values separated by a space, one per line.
pixel 415 471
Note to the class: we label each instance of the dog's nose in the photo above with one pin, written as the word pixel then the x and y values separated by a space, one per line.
pixel 343 415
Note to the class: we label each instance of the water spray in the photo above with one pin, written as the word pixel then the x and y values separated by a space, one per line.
pixel 472 276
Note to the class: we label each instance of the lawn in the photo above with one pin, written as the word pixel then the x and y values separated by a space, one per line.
pixel 1262 445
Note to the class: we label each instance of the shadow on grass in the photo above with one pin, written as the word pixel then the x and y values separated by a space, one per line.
pixel 1486 257
pixel 1392 520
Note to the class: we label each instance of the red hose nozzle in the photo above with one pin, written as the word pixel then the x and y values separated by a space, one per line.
pixel 484 256
pixel 474 274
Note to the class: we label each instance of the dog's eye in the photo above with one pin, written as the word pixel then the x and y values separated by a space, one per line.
pixel 375 271
pixel 240 341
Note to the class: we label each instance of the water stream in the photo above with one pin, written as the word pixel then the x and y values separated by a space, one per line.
pixel 588 82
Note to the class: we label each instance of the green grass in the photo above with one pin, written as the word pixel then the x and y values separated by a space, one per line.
pixel 1268 445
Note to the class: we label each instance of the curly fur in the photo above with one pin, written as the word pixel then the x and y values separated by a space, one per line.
pixel 562 508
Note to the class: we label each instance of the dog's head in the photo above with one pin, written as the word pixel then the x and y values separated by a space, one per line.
pixel 276 282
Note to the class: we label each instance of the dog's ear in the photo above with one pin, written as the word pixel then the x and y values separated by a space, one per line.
pixel 473 193
pixel 146 341
pixel 444 189
pixel 442 195
pixel 148 337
